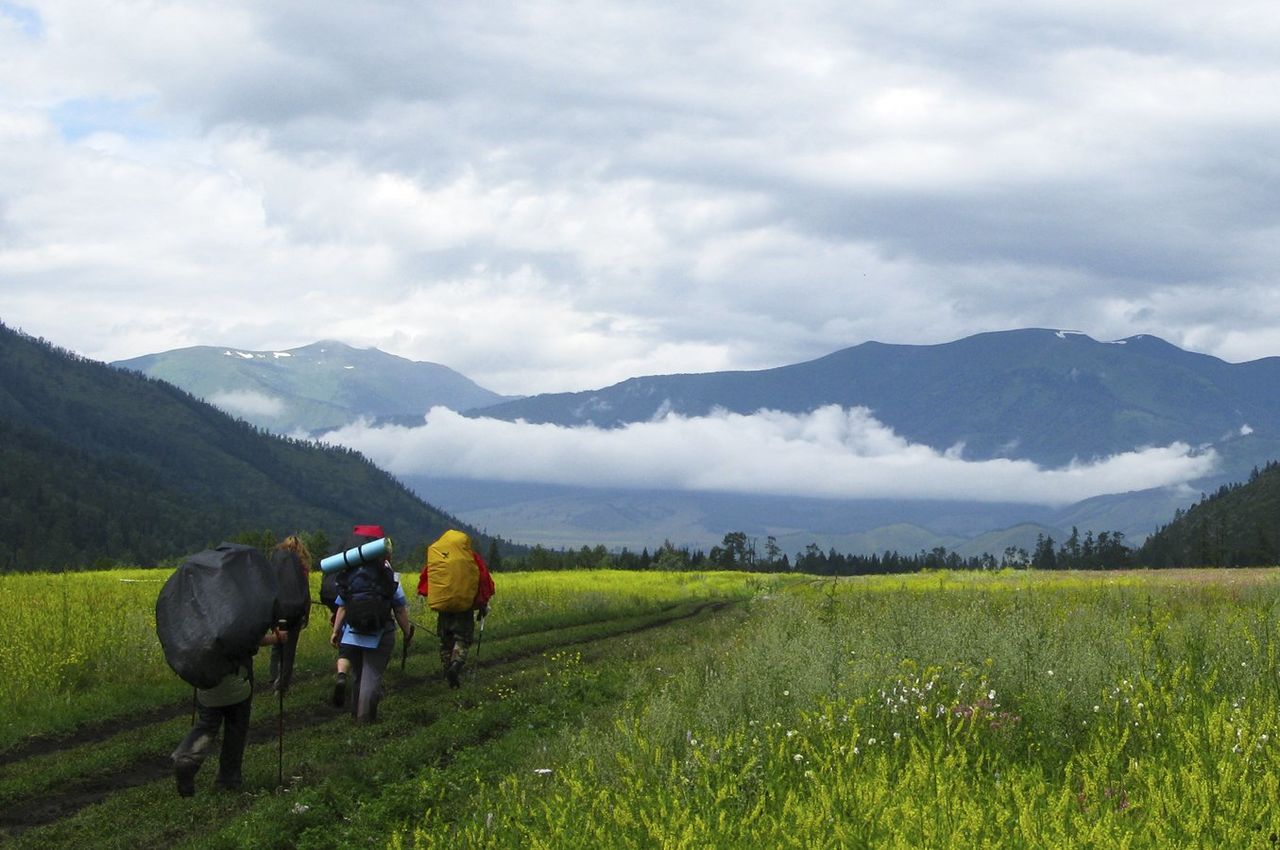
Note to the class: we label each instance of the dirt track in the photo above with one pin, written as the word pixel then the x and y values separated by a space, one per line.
pixel 46 808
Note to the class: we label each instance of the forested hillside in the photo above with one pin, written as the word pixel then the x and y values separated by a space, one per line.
pixel 1239 525
pixel 99 465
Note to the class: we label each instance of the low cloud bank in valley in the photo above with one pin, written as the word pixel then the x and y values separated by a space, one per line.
pixel 247 403
pixel 830 452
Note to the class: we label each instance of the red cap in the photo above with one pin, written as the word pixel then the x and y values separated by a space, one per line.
pixel 369 531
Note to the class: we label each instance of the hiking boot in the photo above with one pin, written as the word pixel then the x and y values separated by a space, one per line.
pixel 340 690
pixel 453 673
pixel 232 785
pixel 184 774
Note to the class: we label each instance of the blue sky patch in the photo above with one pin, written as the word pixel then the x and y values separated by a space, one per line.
pixel 81 117
pixel 27 18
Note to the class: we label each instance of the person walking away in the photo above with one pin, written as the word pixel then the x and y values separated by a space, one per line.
pixel 343 679
pixel 226 707
pixel 293 563
pixel 462 592
pixel 371 605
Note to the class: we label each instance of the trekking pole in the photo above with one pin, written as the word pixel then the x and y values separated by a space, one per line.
pixel 195 694
pixel 280 722
pixel 476 660
pixel 404 651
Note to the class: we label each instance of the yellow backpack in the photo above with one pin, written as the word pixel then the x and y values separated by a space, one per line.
pixel 451 572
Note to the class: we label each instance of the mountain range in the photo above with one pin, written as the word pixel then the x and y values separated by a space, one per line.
pixel 101 465
pixel 1047 396
pixel 315 388
pixel 1041 395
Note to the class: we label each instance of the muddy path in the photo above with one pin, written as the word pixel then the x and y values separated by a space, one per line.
pixel 44 807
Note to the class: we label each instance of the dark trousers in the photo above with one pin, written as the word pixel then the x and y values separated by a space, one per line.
pixel 456 631
pixel 282 658
pixel 198 743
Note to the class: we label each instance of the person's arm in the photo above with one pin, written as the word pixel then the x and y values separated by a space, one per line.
pixel 338 619
pixel 485 590
pixel 402 619
pixel 275 637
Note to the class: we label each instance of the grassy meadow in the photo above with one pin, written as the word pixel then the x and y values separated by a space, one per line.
pixel 692 710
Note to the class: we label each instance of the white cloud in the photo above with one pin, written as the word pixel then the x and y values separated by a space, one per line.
pixel 640 190
pixel 830 452
pixel 248 403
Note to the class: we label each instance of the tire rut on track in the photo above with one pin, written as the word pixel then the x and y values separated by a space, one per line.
pixel 45 808
pixel 90 733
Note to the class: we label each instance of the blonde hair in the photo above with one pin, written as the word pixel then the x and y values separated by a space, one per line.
pixel 295 545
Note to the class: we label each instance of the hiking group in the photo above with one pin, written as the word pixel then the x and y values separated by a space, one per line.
pixel 222 604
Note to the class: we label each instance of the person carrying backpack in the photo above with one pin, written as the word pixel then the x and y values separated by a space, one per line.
pixel 343 680
pixel 462 588
pixel 371 604
pixel 212 614
pixel 292 561
pixel 226 707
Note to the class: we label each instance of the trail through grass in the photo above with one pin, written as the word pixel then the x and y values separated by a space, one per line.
pixel 727 710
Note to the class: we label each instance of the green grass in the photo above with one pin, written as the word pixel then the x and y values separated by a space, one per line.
pixel 621 710
pixel 932 711
pixel 536 621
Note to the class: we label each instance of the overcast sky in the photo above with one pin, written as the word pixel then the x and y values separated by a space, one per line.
pixel 556 196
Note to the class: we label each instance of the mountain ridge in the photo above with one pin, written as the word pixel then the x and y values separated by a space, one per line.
pixel 1037 394
pixel 312 388
pixel 1051 396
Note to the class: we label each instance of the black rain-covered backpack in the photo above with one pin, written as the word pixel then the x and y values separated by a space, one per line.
pixel 329 592
pixel 212 612
pixel 367 592
pixel 294 593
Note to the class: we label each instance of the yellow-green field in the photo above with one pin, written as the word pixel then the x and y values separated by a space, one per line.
pixel 700 710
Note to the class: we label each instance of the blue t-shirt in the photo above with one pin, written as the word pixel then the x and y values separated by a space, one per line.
pixel 351 638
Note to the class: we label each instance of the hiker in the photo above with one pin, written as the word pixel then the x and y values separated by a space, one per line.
pixel 227 706
pixel 463 590
pixel 293 560
pixel 329 593
pixel 371 604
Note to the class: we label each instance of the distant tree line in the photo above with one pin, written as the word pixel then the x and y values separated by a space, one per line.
pixel 1236 526
pixel 738 551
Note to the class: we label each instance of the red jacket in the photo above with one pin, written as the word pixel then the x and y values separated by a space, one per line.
pixel 483 593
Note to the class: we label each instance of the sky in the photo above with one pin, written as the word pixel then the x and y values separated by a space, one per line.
pixel 553 196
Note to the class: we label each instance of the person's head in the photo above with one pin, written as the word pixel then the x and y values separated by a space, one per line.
pixel 294 544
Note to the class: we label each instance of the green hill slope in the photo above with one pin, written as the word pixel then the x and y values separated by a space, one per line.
pixel 1239 525
pixel 100 464
pixel 314 388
